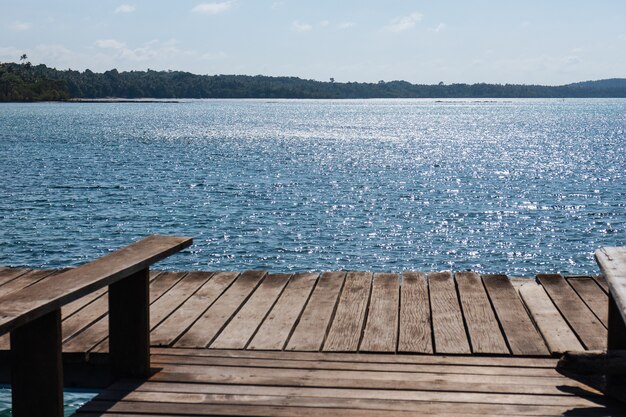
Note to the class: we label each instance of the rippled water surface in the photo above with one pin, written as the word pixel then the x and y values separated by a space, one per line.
pixel 515 187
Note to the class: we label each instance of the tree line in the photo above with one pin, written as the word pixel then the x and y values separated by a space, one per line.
pixel 26 82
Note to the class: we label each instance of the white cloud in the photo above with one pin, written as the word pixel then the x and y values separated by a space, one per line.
pixel 20 26
pixel 324 23
pixel 109 44
pixel 525 24
pixel 572 60
pixel 439 28
pixel 400 24
pixel 154 51
pixel 346 25
pixel 301 27
pixel 213 56
pixel 212 8
pixel 10 53
pixel 125 8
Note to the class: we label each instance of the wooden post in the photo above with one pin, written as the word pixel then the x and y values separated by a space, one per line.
pixel 37 368
pixel 616 384
pixel 129 326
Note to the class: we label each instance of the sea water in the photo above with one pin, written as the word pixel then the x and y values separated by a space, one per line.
pixel 505 186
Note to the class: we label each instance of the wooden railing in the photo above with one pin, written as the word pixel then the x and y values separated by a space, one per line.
pixel 612 262
pixel 33 317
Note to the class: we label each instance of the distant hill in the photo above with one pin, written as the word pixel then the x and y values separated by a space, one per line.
pixel 602 84
pixel 24 82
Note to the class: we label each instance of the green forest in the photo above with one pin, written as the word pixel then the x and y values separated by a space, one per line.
pixel 26 82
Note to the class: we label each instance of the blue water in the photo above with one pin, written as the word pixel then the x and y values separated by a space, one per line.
pixel 515 186
pixel 72 400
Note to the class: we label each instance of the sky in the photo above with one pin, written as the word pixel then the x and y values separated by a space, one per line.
pixel 549 42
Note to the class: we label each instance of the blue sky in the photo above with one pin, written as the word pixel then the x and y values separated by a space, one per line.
pixel 546 42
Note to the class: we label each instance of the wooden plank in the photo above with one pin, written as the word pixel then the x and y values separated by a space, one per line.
pixel 165 295
pixel 582 320
pixel 555 330
pixel 346 328
pixel 273 411
pixel 85 317
pixel 244 324
pixel 612 262
pixel 520 332
pixel 96 334
pixel 193 403
pixel 75 306
pixel 381 326
pixel 180 320
pixel 129 326
pixel 78 305
pixel 474 360
pixel 482 326
pixel 149 409
pixel 415 326
pixel 174 297
pixel 9 274
pixel 593 295
pixel 310 331
pixel 397 395
pixel 617 333
pixel 506 384
pixel 37 368
pixel 49 295
pixel 354 364
pixel 26 280
pixel 601 281
pixel 207 327
pixel 448 326
pixel 29 278
pixel 276 328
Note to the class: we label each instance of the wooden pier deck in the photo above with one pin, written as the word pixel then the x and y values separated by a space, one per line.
pixel 349 343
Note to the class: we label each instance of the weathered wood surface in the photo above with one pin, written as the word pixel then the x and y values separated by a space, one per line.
pixel 244 324
pixel 168 331
pixel 310 332
pixel 47 295
pixel 415 325
pixel 95 335
pixel 612 262
pixel 482 326
pixel 276 328
pixel 381 327
pixel 592 294
pixel 9 274
pixel 265 383
pixel 23 280
pixel 349 312
pixel 210 324
pixel 347 327
pixel 520 332
pixel 37 367
pixel 448 327
pixel 580 318
pixel 558 335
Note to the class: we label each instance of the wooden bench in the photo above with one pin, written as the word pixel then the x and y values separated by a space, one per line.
pixel 33 317
pixel 612 262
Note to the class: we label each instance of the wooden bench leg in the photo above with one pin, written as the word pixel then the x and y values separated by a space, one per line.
pixel 616 384
pixel 129 326
pixel 37 368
